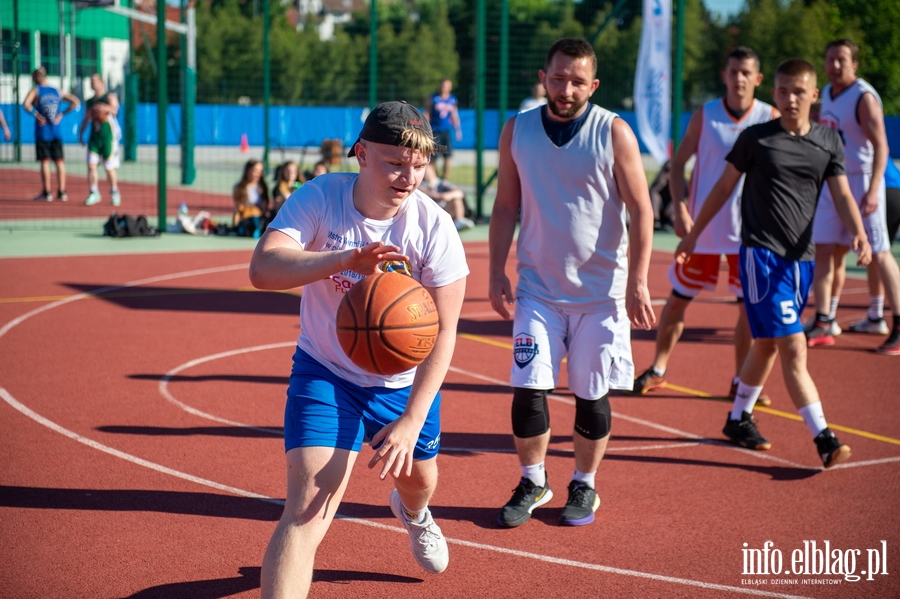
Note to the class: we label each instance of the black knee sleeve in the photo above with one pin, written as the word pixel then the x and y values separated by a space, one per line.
pixel 593 417
pixel 530 417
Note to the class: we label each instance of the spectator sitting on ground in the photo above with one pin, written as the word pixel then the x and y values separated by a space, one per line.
pixel 287 180
pixel 251 197
pixel 448 196
pixel 320 168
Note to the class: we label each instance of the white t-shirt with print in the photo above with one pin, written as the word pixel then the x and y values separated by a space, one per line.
pixel 321 217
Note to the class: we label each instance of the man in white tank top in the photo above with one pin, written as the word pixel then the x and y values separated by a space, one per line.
pixel 572 169
pixel 710 135
pixel 852 106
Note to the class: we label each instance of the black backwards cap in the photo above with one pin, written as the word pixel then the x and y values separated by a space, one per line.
pixel 387 122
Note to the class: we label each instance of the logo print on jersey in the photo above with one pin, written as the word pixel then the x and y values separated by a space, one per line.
pixel 402 268
pixel 524 349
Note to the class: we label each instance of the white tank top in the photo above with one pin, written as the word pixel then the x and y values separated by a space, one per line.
pixel 719 131
pixel 840 114
pixel 572 243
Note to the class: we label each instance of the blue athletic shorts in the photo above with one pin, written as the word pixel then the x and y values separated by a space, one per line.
pixel 323 410
pixel 775 291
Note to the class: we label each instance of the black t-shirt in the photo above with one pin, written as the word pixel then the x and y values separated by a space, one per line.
pixel 784 175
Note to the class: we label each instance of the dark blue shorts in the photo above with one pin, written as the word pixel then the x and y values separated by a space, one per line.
pixel 444 137
pixel 775 292
pixel 323 410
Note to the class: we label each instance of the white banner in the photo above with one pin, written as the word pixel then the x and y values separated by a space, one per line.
pixel 653 79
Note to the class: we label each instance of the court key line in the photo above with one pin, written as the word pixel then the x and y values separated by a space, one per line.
pixel 10 400
pixel 705 395
pixel 25 410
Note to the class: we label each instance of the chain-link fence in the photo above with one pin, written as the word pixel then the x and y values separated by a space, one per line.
pixel 282 81
pixel 277 81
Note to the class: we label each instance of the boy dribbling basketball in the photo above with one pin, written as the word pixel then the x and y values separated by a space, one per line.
pixel 328 235
pixel 785 162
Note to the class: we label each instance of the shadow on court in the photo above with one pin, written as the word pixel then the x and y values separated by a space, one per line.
pixel 226 378
pixel 186 299
pixel 247 580
pixel 235 432
pixel 141 500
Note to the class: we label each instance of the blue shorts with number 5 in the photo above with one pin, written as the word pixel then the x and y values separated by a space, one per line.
pixel 775 291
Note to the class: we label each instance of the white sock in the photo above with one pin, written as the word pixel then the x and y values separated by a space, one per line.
pixel 876 307
pixel 814 418
pixel 94 189
pixel 744 400
pixel 535 474
pixel 414 516
pixel 658 371
pixel 584 477
pixel 834 307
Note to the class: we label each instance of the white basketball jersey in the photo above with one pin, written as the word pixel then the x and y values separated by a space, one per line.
pixel 717 136
pixel 839 113
pixel 572 243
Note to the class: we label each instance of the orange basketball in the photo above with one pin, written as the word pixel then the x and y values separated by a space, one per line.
pixel 387 323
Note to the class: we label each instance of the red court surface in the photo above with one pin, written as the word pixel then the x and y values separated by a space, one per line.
pixel 141 419
pixel 19 187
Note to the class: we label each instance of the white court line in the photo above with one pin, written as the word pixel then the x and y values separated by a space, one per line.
pixel 9 399
pixel 647 423
pixel 566 451
pixel 240 492
pixel 164 384
pixel 203 271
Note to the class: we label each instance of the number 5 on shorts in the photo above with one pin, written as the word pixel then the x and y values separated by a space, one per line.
pixel 788 313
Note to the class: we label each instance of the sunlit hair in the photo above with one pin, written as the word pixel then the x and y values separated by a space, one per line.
pixel 418 141
pixel 795 67
pixel 573 47
pixel 39 75
pixel 743 53
pixel 847 42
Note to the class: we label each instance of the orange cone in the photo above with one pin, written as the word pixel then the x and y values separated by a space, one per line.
pixel 245 145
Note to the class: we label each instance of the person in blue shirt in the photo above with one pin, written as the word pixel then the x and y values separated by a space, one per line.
pixel 442 112
pixel 44 103
pixel 892 186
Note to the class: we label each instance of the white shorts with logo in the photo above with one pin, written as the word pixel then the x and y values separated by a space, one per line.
pixel 829 228
pixel 597 347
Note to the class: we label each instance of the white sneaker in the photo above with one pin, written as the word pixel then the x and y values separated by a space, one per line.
pixel 116 197
pixel 463 223
pixel 872 327
pixel 92 199
pixel 429 546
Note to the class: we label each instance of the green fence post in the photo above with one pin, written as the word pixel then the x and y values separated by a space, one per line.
pixel 131 104
pixel 188 99
pixel 17 110
pixel 267 85
pixel 188 170
pixel 480 80
pixel 162 103
pixel 504 63
pixel 373 54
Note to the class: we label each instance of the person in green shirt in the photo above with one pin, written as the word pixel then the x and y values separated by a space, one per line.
pixel 103 142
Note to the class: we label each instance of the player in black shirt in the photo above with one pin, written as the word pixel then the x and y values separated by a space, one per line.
pixel 785 161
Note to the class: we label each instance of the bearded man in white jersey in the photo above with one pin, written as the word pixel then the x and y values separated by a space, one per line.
pixel 710 135
pixel 572 169
pixel 852 107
